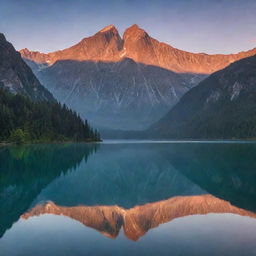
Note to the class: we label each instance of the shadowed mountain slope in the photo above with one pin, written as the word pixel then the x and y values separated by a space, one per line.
pixel 122 94
pixel 17 77
pixel 223 106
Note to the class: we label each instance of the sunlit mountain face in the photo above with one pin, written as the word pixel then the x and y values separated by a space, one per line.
pixel 123 82
pixel 128 197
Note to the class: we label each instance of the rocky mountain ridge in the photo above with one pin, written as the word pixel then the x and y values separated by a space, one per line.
pixel 16 76
pixel 136 44
pixel 125 83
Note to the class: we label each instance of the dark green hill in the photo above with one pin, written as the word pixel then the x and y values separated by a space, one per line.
pixel 22 119
pixel 223 106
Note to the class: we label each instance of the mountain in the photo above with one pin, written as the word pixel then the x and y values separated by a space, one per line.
pixel 28 111
pixel 122 95
pixel 223 106
pixel 17 77
pixel 123 83
pixel 136 44
pixel 137 221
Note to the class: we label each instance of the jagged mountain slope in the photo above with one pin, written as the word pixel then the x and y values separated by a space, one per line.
pixel 123 83
pixel 223 106
pixel 107 45
pixel 17 77
pixel 123 94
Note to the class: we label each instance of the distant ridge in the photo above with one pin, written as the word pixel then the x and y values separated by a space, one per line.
pixel 107 45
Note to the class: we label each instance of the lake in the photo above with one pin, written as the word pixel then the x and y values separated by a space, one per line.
pixel 128 198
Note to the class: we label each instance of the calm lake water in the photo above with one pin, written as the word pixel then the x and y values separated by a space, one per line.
pixel 119 198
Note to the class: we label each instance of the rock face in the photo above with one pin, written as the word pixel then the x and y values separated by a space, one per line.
pixel 107 45
pixel 138 220
pixel 223 106
pixel 123 83
pixel 144 49
pixel 121 95
pixel 16 76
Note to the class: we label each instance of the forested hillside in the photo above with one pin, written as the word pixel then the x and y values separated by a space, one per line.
pixel 223 106
pixel 22 120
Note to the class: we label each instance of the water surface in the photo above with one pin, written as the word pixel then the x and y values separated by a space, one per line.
pixel 135 198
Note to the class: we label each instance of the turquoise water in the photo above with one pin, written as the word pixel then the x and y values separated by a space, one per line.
pixel 128 198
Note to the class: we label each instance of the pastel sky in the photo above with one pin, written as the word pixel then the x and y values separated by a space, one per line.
pixel 211 26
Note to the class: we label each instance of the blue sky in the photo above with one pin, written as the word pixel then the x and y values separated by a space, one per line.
pixel 211 26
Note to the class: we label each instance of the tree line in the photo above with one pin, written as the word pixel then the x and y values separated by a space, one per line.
pixel 23 120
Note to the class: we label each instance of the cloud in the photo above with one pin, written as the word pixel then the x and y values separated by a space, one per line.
pixel 253 40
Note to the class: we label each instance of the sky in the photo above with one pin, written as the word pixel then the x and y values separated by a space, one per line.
pixel 210 26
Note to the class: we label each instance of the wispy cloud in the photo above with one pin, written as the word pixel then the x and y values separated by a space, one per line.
pixel 253 40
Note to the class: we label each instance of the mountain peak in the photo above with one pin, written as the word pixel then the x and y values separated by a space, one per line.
pixel 108 28
pixel 25 51
pixel 108 33
pixel 2 37
pixel 134 27
pixel 134 31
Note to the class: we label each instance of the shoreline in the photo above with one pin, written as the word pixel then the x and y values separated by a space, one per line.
pixel 135 141
pixel 3 144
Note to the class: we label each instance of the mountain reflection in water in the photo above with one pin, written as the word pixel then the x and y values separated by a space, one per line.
pixel 138 220
pixel 26 170
pixel 136 187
